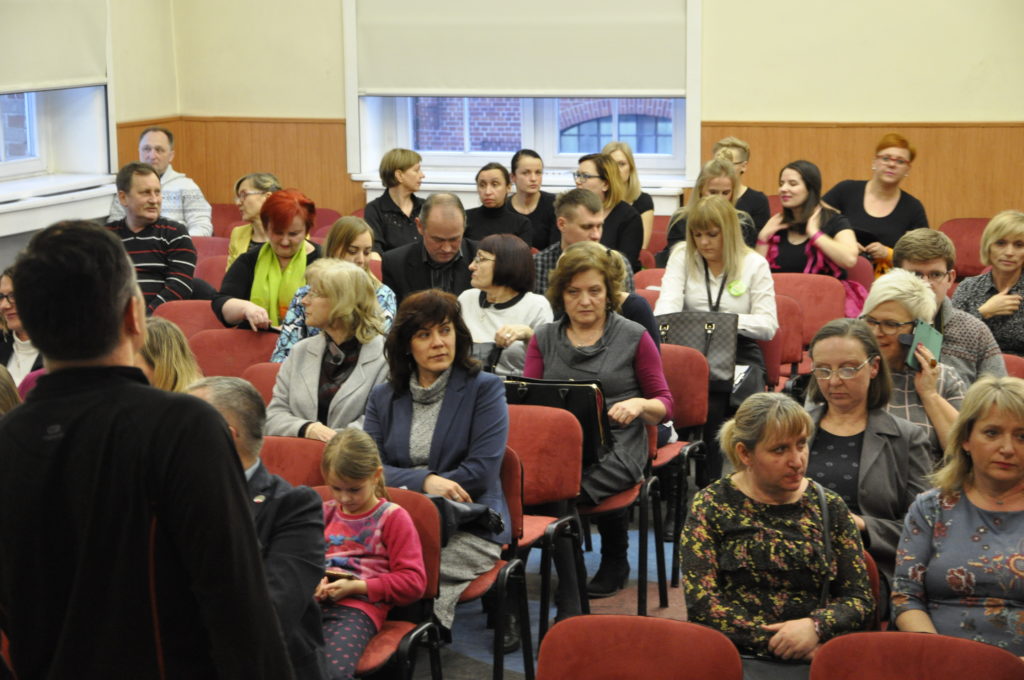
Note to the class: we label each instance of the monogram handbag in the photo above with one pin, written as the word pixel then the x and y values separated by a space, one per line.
pixel 713 334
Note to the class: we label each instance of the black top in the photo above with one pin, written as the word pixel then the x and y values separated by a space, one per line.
pixel 848 198
pixel 391 226
pixel 542 221
pixel 835 464
pixel 7 349
pixel 408 269
pixel 237 281
pixel 482 222
pixel 755 204
pixel 643 203
pixel 793 257
pixel 636 308
pixel 624 231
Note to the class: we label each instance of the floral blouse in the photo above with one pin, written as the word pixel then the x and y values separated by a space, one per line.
pixel 964 566
pixel 747 564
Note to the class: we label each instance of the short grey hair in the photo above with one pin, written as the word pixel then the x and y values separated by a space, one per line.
pixel 904 287
pixel 441 200
pixel 239 398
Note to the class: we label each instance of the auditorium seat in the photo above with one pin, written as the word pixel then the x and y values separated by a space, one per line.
pixel 229 351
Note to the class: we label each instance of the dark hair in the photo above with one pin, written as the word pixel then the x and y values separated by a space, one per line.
pixel 518 155
pixel 494 166
pixel 513 261
pixel 422 310
pixel 567 202
pixel 811 177
pixel 127 172
pixel 157 128
pixel 74 282
pixel 282 207
pixel 880 388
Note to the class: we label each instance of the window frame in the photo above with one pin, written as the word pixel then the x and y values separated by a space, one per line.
pixel 36 163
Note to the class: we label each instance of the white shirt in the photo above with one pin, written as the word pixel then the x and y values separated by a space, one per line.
pixel 23 356
pixel 483 322
pixel 751 295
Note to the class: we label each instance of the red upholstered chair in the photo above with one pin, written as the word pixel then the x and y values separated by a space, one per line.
pixel 212 269
pixel 645 278
pixel 965 233
pixel 225 217
pixel 508 576
pixel 229 351
pixel 774 204
pixel 650 295
pixel 263 376
pixel 647 259
pixel 876 590
pixel 375 267
pixel 326 217
pixel 406 629
pixel 295 459
pixel 359 212
pixel 549 443
pixel 863 272
pixel 208 246
pixel 191 316
pixel 659 234
pixel 896 655
pixel 821 298
pixel 611 647
pixel 1014 364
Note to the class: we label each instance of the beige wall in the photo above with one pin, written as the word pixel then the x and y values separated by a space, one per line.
pixel 145 76
pixel 870 60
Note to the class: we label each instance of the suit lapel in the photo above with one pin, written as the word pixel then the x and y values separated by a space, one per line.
pixel 450 408
pixel 309 368
pixel 259 493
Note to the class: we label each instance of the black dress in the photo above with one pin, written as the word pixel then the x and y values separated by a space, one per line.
pixel 624 231
pixel 482 222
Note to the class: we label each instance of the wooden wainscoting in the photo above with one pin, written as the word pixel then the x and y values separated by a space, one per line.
pixel 961 170
pixel 308 154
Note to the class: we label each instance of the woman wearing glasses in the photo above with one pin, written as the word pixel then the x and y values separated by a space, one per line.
pixel 250 193
pixel 931 395
pixel 623 229
pixel 875 461
pixel 501 310
pixel 878 208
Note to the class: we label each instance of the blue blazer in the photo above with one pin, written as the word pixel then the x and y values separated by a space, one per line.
pixel 468 443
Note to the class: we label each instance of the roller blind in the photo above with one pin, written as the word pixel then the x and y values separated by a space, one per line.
pixel 47 44
pixel 522 48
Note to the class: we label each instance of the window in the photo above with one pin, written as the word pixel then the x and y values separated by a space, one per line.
pixel 19 147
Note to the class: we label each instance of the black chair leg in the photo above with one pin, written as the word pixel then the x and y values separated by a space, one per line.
pixel 659 544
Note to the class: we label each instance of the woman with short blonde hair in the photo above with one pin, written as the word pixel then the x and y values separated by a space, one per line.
pixel 393 214
pixel 166 358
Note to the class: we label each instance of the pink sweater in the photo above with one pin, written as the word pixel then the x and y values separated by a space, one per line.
pixel 380 547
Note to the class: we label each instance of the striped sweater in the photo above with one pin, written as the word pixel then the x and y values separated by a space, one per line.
pixel 164 258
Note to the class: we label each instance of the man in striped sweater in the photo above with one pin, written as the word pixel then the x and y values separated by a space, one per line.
pixel 161 249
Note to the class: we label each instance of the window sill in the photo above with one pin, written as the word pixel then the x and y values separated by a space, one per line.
pixel 33 203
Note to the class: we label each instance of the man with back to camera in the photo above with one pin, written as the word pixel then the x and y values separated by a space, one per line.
pixel 441 260
pixel 161 249
pixel 289 524
pixel 183 200
pixel 578 218
pixel 128 547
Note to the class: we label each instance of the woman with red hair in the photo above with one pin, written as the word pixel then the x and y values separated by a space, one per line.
pixel 261 282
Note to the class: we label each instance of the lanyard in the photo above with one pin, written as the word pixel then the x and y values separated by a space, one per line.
pixel 707 286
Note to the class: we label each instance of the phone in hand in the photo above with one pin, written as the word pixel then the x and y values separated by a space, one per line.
pixel 924 333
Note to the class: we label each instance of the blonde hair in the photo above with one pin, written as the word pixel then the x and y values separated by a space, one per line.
pixel 167 351
pixel 343 232
pixel 581 257
pixel 353 454
pixel 632 188
pixel 732 143
pixel 715 211
pixel 762 417
pixel 716 167
pixel 904 287
pixel 1006 394
pixel 395 160
pixel 351 294
pixel 9 397
pixel 1004 225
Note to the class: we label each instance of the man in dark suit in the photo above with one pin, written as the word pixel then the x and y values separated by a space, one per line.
pixel 289 524
pixel 441 259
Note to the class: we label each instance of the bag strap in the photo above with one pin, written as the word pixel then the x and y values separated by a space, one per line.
pixel 827 540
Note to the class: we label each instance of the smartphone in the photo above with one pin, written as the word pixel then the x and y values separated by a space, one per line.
pixel 338 575
pixel 924 333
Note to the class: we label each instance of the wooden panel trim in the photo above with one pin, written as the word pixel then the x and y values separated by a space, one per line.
pixel 849 124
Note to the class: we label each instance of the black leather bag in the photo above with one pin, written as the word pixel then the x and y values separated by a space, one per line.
pixel 713 334
pixel 584 399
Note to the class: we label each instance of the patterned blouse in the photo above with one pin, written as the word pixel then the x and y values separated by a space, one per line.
pixel 1007 329
pixel 747 564
pixel 964 566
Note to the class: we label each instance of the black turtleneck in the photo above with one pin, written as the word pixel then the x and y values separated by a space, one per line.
pixel 482 222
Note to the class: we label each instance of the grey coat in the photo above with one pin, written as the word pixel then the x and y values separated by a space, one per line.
pixel 295 393
pixel 894 463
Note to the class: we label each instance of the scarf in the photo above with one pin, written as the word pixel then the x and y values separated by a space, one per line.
pixel 273 288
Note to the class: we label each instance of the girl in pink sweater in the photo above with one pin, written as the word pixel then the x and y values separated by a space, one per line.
pixel 373 555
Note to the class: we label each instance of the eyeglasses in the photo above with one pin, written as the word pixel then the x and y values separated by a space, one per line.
pixel 887 327
pixel 584 176
pixel 934 277
pixel 9 297
pixel 242 195
pixel 844 372
pixel 314 293
pixel 893 159
pixel 479 259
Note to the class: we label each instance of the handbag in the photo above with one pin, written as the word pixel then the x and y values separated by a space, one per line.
pixel 456 515
pixel 711 333
pixel 488 354
pixel 584 399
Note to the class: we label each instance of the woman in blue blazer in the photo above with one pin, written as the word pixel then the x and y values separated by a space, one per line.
pixel 442 426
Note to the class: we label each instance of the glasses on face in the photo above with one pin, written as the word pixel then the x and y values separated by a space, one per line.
pixel 480 259
pixel 896 160
pixel 844 372
pixel 934 277
pixel 584 176
pixel 9 297
pixel 242 195
pixel 888 327
pixel 313 293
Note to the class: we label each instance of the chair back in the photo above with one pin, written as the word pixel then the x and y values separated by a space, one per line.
pixel 791 325
pixel 209 246
pixel 645 278
pixel 225 217
pixel 659 234
pixel 1014 364
pixel 894 655
pixel 512 487
pixel 876 588
pixel 863 273
pixel 263 376
pixel 212 269
pixel 650 295
pixel 549 443
pixel 191 316
pixel 295 459
pixel 821 298
pixel 229 351
pixel 375 268
pixel 965 233
pixel 686 371
pixel 613 646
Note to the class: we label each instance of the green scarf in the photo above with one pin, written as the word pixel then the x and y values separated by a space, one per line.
pixel 272 287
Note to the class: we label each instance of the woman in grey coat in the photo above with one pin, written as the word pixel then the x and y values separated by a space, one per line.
pixel 324 383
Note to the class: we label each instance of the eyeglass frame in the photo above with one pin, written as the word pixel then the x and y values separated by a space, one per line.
pixel 852 370
pixel 901 162
pixel 242 195
pixel 480 260
pixel 581 176
pixel 7 296
pixel 886 324
pixel 934 277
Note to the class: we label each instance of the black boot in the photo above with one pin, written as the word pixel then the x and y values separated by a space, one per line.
pixel 567 592
pixel 510 639
pixel 613 574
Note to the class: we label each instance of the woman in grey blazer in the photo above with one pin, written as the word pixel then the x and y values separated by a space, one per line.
pixel 324 383
pixel 875 461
